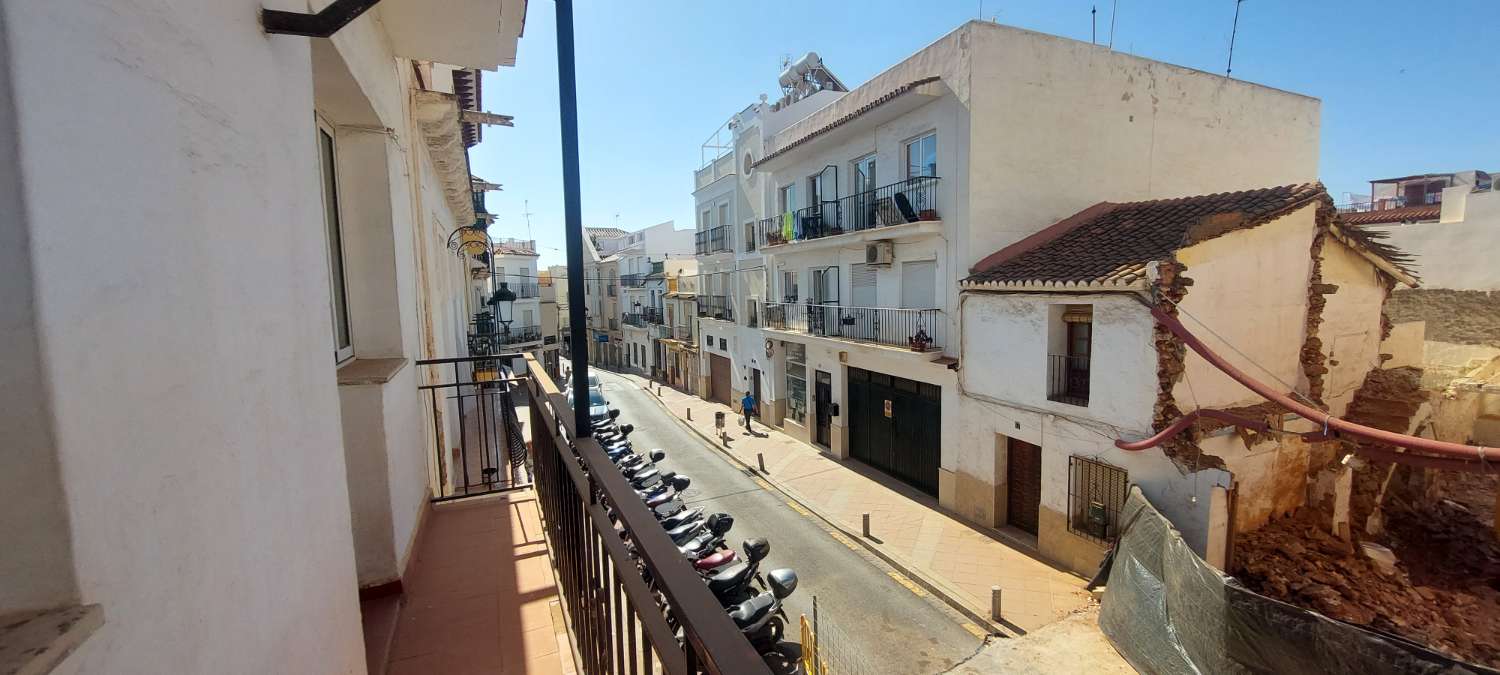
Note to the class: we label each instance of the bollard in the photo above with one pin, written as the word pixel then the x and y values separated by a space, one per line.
pixel 867 525
pixel 995 603
pixel 690 414
pixel 761 460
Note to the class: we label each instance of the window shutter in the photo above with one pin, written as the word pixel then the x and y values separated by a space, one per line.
pixel 919 284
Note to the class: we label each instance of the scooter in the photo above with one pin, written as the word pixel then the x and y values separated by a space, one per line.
pixel 715 559
pixel 731 583
pixel 632 460
pixel 707 541
pixel 683 533
pixel 665 491
pixel 761 618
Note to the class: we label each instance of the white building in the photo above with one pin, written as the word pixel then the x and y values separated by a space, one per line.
pixel 617 263
pixel 214 441
pixel 869 210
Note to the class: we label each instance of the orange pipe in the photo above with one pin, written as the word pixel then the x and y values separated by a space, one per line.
pixel 1450 450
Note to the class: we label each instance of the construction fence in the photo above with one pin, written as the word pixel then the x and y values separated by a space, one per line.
pixel 827 650
pixel 1167 611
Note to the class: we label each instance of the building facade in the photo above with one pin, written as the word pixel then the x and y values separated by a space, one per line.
pixel 213 446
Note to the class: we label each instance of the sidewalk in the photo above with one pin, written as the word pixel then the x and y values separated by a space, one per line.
pixel 906 528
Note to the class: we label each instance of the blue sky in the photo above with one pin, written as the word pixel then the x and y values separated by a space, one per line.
pixel 1401 93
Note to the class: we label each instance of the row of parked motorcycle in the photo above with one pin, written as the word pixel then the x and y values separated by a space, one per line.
pixel 700 538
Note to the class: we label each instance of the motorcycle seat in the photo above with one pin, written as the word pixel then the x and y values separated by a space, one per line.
pixel 750 612
pixel 680 533
pixel 728 578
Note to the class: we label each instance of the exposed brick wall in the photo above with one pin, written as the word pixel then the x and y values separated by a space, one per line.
pixel 1314 362
pixel 1459 317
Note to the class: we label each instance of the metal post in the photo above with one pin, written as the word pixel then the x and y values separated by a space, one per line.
pixel 995 603
pixel 761 460
pixel 567 90
pixel 817 641
pixel 866 520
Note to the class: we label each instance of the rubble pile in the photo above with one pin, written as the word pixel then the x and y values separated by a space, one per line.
pixel 1443 591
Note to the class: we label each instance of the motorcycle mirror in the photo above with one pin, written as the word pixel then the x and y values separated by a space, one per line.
pixel 614 413
pixel 657 454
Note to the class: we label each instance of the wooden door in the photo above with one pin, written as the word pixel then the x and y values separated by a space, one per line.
pixel 1023 465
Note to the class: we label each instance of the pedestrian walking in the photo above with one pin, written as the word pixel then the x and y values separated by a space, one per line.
pixel 747 406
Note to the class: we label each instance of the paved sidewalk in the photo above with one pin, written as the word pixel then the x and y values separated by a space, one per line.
pixel 907 528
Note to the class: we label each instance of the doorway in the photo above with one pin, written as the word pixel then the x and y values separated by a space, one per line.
pixel 1023 466
pixel 823 403
pixel 755 391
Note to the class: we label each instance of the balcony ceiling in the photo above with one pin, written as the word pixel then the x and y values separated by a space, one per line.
pixel 465 33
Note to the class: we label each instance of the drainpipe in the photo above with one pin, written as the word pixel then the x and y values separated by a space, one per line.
pixel 1477 456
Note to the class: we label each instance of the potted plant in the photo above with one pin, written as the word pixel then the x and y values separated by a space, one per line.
pixel 919 342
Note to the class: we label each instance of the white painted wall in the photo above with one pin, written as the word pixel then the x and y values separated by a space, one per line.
pixel 190 379
pixel 1455 255
pixel 1350 331
pixel 1251 287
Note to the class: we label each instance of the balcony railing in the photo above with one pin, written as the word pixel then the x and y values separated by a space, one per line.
pixel 634 602
pixel 632 280
pixel 653 315
pixel 1068 379
pixel 713 240
pixel 637 320
pixel 716 307
pixel 684 333
pixel 484 343
pixel 915 329
pixel 908 201
pixel 491 452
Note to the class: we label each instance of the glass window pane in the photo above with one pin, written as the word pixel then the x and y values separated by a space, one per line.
pixel 341 337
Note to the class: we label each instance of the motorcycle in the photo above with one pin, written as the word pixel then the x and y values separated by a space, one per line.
pixel 761 618
pixel 708 539
pixel 683 533
pixel 731 583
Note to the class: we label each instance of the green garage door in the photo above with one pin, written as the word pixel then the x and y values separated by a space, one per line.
pixel 895 425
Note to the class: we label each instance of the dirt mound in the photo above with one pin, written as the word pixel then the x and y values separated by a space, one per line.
pixel 1442 591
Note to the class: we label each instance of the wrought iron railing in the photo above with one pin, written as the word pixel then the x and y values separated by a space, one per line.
pixel 1068 379
pixel 495 341
pixel 908 201
pixel 470 398
pixel 684 333
pixel 716 307
pixel 637 320
pixel 632 280
pixel 635 604
pixel 915 329
pixel 652 315
pixel 712 240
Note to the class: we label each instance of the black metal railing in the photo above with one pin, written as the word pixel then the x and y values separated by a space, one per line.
pixel 470 397
pixel 915 329
pixel 637 320
pixel 653 315
pixel 497 339
pixel 908 201
pixel 716 307
pixel 632 280
pixel 635 604
pixel 1068 379
pixel 712 240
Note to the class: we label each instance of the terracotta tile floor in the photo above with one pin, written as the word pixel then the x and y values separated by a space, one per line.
pixel 905 522
pixel 479 594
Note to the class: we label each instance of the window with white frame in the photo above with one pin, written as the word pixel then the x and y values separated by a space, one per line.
pixel 789 286
pixel 724 213
pixel 786 199
pixel 919 284
pixel 796 382
pixel 343 341
pixel 921 156
pixel 705 219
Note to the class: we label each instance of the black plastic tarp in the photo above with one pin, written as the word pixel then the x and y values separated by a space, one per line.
pixel 1167 611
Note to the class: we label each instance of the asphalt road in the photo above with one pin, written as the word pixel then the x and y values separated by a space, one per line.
pixel 870 622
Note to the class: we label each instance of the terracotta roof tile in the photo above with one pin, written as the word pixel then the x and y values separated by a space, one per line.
pixel 1112 243
pixel 1401 215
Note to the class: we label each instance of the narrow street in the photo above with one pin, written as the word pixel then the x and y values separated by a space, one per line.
pixel 869 622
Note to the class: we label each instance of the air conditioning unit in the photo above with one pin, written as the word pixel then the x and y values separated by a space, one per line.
pixel 880 253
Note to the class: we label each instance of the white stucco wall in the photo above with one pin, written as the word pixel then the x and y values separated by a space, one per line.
pixel 202 451
pixel 1350 331
pixel 1455 255
pixel 1249 286
pixel 1059 125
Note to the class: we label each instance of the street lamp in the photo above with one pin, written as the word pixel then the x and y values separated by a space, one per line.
pixel 503 300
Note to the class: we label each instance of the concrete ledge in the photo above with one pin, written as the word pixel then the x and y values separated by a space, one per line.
pixel 370 371
pixel 36 642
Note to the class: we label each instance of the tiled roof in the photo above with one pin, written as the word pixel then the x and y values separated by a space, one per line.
pixel 514 250
pixel 850 117
pixel 1402 215
pixel 1110 244
pixel 605 232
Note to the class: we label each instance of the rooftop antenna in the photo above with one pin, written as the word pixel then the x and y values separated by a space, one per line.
pixel 526 211
pixel 1229 67
pixel 1113 12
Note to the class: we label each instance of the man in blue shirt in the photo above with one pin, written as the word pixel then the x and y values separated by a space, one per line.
pixel 747 406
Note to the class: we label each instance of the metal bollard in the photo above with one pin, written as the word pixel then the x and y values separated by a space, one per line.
pixel 690 414
pixel 761 460
pixel 995 603
pixel 866 519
